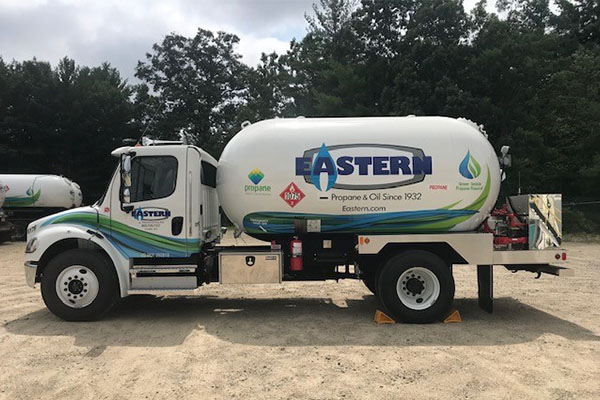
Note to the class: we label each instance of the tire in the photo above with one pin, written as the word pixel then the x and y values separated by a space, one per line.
pixel 88 281
pixel 19 232
pixel 425 292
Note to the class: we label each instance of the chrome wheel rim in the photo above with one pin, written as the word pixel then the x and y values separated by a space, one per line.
pixel 418 288
pixel 77 286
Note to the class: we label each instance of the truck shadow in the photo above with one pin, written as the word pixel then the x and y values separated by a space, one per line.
pixel 168 321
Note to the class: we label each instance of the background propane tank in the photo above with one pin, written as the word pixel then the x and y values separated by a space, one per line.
pixel 51 191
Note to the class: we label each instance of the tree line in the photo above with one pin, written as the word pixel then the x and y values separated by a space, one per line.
pixel 529 72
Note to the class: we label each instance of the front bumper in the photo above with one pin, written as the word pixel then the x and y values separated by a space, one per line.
pixel 30 272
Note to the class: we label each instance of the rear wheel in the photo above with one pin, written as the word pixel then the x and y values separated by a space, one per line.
pixel 79 285
pixel 416 286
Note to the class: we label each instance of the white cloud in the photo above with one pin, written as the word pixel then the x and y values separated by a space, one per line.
pixel 122 32
pixel 252 47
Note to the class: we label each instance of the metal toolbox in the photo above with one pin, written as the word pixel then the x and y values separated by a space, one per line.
pixel 250 266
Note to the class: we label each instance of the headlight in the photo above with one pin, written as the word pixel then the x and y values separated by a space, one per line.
pixel 31 245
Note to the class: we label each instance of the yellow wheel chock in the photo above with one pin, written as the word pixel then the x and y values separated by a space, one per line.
pixel 452 317
pixel 382 318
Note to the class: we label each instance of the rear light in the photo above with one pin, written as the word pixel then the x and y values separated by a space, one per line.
pixel 564 256
pixel 557 256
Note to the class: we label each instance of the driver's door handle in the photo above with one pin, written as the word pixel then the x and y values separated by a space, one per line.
pixel 176 225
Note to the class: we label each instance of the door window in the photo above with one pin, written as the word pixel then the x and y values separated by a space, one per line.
pixel 209 174
pixel 152 177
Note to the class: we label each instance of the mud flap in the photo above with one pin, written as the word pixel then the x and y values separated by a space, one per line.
pixel 485 287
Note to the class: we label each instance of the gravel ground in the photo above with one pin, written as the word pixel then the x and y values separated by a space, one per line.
pixel 308 341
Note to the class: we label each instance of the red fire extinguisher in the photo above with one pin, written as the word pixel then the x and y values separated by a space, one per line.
pixel 296 254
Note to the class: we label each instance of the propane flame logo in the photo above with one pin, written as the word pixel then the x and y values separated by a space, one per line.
pixel 150 213
pixel 324 164
pixel 469 167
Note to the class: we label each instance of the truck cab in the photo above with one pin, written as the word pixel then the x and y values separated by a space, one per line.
pixel 157 218
pixel 162 202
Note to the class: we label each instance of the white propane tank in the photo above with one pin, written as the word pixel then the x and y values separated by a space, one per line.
pixel 383 175
pixel 77 195
pixel 51 191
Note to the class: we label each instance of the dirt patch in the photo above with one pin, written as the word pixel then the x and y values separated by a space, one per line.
pixel 308 340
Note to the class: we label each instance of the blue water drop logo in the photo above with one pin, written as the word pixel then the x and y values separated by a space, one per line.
pixel 469 167
pixel 323 164
pixel 138 214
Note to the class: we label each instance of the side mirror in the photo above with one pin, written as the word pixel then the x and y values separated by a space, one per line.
pixel 126 169
pixel 126 196
pixel 125 180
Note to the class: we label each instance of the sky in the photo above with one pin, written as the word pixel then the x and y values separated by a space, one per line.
pixel 123 31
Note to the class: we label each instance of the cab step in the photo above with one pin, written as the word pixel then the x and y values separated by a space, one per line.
pixel 157 291
pixel 163 277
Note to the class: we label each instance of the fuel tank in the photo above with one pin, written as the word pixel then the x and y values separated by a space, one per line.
pixel 371 175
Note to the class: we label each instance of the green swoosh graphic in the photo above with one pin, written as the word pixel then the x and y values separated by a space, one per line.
pixel 22 201
pixel 437 220
pixel 133 242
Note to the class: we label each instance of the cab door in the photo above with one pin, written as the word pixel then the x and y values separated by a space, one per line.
pixel 203 209
pixel 153 223
pixel 211 218
pixel 194 197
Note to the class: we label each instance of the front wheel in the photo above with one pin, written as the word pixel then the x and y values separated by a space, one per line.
pixel 79 285
pixel 416 286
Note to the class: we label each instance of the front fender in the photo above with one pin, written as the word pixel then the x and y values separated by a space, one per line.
pixel 52 234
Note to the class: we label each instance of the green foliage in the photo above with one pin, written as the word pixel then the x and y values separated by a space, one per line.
pixel 64 120
pixel 264 97
pixel 198 84
pixel 575 221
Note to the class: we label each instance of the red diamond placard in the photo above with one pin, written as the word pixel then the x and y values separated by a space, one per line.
pixel 292 194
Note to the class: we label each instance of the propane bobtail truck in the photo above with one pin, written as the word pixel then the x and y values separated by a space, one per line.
pixel 396 202
pixel 30 197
